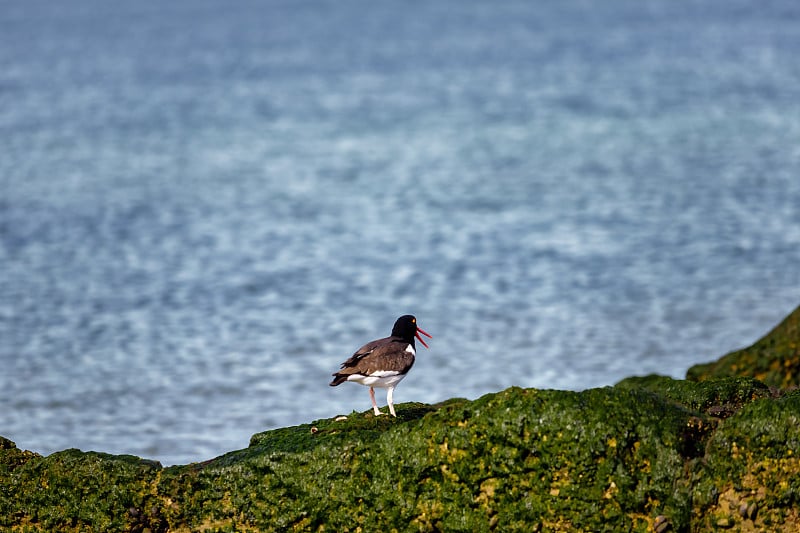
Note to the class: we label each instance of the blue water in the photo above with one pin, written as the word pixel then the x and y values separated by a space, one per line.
pixel 206 206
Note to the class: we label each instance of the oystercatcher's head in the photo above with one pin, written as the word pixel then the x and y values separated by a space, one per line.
pixel 406 328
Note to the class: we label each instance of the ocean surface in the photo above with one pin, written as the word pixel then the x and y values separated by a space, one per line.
pixel 206 206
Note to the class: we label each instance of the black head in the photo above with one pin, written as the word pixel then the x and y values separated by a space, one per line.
pixel 406 328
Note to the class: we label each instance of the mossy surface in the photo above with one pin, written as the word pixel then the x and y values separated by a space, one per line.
pixel 76 491
pixel 774 359
pixel 522 459
pixel 753 469
pixel 650 453
pixel 719 398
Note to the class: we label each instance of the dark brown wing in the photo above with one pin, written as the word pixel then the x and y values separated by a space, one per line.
pixel 365 350
pixel 383 354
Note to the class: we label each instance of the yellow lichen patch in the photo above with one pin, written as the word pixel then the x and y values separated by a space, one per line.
pixel 653 503
pixel 560 479
pixel 452 454
pixel 216 525
pixel 227 504
pixel 428 513
pixel 304 525
pixel 488 487
pixel 762 472
pixel 735 451
pixel 641 522
pixel 611 490
pixel 558 526
pixel 486 493
pixel 448 475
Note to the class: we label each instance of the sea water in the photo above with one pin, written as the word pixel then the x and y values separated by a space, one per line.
pixel 205 207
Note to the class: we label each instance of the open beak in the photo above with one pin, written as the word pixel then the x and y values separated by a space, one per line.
pixel 420 330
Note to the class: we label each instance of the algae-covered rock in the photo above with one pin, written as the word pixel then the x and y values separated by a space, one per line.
pixel 603 459
pixel 650 454
pixel 752 473
pixel 747 477
pixel 629 458
pixel 719 398
pixel 773 359
pixel 74 491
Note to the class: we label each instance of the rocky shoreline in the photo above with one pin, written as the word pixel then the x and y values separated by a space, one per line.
pixel 718 451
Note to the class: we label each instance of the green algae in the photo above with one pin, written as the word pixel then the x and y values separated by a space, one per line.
pixel 717 452
pixel 605 459
pixel 753 459
pixel 774 359
pixel 719 397
pixel 330 431
pixel 508 461
pixel 76 491
pixel 601 459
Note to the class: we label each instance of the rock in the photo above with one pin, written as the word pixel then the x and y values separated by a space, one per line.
pixel 517 457
pixel 472 465
pixel 773 359
pixel 719 398
pixel 602 459
pixel 661 524
pixel 757 448
pixel 743 509
pixel 752 511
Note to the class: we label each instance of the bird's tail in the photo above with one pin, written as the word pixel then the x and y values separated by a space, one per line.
pixel 338 379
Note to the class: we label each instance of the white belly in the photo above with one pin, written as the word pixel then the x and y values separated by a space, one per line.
pixel 384 380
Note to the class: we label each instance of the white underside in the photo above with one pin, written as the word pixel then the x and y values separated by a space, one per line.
pixel 384 379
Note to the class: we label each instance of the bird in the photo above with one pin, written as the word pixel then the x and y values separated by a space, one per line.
pixel 384 362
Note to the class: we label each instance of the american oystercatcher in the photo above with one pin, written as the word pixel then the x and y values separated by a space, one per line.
pixel 385 362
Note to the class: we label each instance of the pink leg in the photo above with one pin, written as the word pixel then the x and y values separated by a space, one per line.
pixel 374 403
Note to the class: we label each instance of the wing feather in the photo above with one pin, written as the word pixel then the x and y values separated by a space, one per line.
pixel 383 356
